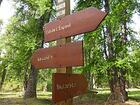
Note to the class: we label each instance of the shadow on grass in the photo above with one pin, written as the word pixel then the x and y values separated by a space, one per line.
pixel 20 101
pixel 91 99
pixel 134 95
pixel 17 99
pixel 102 96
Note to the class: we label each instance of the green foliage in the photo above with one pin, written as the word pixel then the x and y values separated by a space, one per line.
pixel 24 34
pixel 123 43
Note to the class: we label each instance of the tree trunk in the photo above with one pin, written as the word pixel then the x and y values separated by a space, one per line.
pixel 32 84
pixel 92 82
pixel 0 2
pixel 117 87
pixel 123 85
pixel 117 81
pixel 25 82
pixel 30 91
pixel 3 78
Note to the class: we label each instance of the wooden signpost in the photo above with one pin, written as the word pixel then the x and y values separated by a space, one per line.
pixel 66 70
pixel 60 8
pixel 66 86
pixel 68 55
pixel 71 25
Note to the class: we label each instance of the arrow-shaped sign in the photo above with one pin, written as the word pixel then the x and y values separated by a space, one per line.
pixel 77 23
pixel 66 86
pixel 70 54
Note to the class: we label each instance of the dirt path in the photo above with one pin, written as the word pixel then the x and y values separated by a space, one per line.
pixel 20 101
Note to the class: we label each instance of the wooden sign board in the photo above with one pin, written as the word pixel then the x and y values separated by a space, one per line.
pixel 67 55
pixel 60 6
pixel 66 86
pixel 60 1
pixel 60 13
pixel 77 23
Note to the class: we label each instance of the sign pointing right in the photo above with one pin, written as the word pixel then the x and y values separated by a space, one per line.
pixel 66 86
pixel 71 25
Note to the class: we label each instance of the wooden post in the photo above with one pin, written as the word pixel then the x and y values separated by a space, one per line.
pixel 64 41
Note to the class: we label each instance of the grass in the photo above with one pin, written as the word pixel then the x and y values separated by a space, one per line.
pixel 20 101
pixel 101 98
pixel 16 98
pixel 134 94
pixel 44 98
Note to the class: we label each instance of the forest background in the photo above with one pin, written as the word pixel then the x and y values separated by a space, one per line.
pixel 111 52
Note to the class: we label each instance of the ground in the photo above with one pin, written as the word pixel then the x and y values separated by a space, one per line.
pixel 44 98
pixel 102 96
